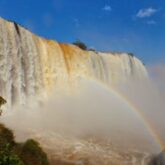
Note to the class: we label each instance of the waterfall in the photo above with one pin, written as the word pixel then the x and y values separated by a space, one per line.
pixel 31 65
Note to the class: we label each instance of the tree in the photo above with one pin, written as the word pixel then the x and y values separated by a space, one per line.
pixel 6 136
pixel 80 44
pixel 32 153
pixel 131 54
pixel 2 101
pixel 8 157
pixel 13 153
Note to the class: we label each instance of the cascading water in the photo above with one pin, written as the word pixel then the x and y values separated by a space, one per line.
pixel 30 65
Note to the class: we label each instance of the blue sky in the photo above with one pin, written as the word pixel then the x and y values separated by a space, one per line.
pixel 136 26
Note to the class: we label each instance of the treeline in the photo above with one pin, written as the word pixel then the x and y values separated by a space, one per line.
pixel 82 45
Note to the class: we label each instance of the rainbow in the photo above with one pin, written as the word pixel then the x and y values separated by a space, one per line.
pixel 31 65
pixel 147 123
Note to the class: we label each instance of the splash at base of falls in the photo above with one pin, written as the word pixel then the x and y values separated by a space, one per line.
pixel 70 150
pixel 90 151
pixel 90 127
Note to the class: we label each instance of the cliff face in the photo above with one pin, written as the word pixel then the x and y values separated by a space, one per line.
pixel 30 65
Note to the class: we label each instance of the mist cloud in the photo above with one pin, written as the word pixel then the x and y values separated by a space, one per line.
pixel 94 111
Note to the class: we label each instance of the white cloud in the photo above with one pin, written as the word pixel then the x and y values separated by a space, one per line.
pixel 107 8
pixel 148 12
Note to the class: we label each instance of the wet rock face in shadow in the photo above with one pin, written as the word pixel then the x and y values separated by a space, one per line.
pixel 159 159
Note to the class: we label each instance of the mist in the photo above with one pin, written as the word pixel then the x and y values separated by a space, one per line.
pixel 149 98
pixel 96 112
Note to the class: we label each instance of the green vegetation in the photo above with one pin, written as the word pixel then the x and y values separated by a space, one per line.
pixel 12 153
pixel 81 45
pixel 6 137
pixel 32 154
pixel 8 157
pixel 2 101
pixel 131 54
pixel 7 154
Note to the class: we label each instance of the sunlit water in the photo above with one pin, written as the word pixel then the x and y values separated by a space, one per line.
pixel 77 103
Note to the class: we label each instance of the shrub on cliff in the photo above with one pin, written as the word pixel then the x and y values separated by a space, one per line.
pixel 80 44
pixel 12 153
pixel 2 101
pixel 8 157
pixel 32 154
pixel 131 54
